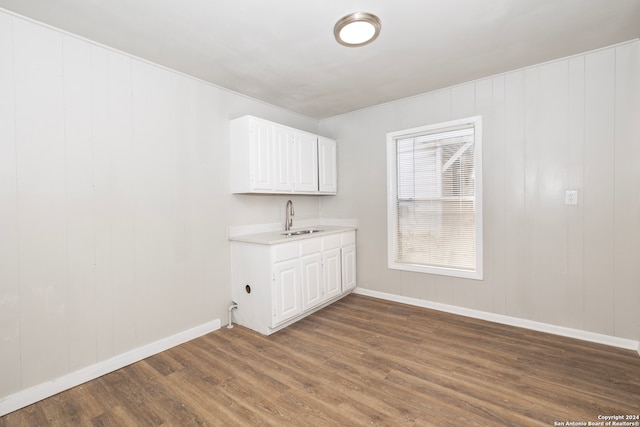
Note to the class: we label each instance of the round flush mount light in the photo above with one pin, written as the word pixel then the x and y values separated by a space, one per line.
pixel 357 29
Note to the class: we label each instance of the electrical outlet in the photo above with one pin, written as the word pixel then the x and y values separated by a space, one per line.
pixel 571 197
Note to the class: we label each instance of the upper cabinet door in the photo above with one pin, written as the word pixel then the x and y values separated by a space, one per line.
pixel 261 152
pixel 283 147
pixel 327 165
pixel 251 150
pixel 306 162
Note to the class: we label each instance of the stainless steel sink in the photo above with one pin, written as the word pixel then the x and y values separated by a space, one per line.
pixel 300 232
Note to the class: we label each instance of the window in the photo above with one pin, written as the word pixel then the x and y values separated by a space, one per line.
pixel 434 178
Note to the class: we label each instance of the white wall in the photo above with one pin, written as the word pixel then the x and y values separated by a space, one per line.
pixel 114 197
pixel 114 202
pixel 569 124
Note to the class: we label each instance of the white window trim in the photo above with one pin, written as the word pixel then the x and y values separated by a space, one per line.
pixel 392 222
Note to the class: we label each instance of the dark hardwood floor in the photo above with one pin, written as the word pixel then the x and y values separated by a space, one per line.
pixel 360 361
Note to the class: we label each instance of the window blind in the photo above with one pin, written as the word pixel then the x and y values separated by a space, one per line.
pixel 435 199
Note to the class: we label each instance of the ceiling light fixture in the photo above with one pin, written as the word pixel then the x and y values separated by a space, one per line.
pixel 357 29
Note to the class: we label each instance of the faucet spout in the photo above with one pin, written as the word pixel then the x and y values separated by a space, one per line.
pixel 289 213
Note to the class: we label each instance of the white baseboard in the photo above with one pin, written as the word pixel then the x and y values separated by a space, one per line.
pixel 508 320
pixel 41 391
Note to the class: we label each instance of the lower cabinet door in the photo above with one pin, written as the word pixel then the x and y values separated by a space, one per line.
pixel 348 268
pixel 287 291
pixel 332 272
pixel 312 280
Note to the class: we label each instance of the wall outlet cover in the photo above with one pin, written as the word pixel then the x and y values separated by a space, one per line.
pixel 571 197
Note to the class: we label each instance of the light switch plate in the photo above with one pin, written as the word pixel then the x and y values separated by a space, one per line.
pixel 571 197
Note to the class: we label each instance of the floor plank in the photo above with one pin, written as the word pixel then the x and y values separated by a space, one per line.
pixel 360 361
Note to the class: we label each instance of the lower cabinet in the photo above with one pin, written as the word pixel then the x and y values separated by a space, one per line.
pixel 275 285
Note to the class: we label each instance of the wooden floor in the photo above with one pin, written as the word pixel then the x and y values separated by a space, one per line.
pixel 361 361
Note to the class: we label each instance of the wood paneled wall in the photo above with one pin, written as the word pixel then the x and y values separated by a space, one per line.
pixel 567 124
pixel 114 202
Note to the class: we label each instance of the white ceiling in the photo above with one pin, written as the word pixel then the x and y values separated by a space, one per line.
pixel 283 51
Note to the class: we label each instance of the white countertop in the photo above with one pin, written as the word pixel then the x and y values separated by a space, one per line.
pixel 271 234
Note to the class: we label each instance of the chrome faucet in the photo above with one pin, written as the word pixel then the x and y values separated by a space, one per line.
pixel 288 222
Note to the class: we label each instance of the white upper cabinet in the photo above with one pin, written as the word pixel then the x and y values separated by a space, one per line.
pixel 267 157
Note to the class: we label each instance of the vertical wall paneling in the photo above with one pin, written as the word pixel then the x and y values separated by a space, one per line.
pixel 376 121
pixel 184 111
pixel 531 189
pixel 152 135
pixel 199 152
pixel 550 287
pixel 78 149
pixel 516 250
pixel 409 114
pixel 42 205
pixel 463 101
pixel 575 181
pixel 496 186
pixel 429 102
pixel 206 223
pixel 121 181
pixel 626 221
pixel 442 105
pixel 101 203
pixel 159 220
pixel 9 275
pixel 483 105
pixel 599 191
pixel 188 123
